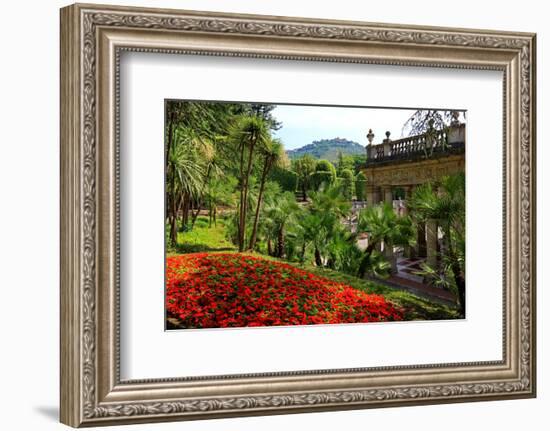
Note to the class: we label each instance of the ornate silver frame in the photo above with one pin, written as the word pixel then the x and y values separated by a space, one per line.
pixel 92 37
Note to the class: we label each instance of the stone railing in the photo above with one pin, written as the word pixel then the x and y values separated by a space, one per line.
pixel 434 143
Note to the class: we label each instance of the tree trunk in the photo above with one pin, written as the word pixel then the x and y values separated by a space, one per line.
pixel 303 252
pixel 390 257
pixel 461 287
pixel 258 205
pixel 318 260
pixel 457 273
pixel 200 198
pixel 173 222
pixel 196 214
pixel 184 205
pixel 421 239
pixel 170 168
pixel 281 242
pixel 245 197
pixel 241 193
pixel 366 259
pixel 170 138
pixel 269 247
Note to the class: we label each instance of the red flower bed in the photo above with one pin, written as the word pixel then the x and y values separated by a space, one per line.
pixel 234 290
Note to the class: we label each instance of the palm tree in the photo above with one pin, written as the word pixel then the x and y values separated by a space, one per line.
pixel 327 208
pixel 191 130
pixel 273 154
pixel 342 251
pixel 445 203
pixel 313 232
pixel 248 133
pixel 279 213
pixel 188 158
pixel 382 225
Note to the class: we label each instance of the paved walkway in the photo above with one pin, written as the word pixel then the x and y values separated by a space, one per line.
pixel 407 278
pixel 408 267
pixel 415 287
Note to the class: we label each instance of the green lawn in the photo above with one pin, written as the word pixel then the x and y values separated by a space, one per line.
pixel 417 307
pixel 212 239
pixel 204 238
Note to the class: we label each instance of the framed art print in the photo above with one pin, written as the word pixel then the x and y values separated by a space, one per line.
pixel 272 215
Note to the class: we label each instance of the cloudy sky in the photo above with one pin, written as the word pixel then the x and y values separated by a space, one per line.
pixel 304 124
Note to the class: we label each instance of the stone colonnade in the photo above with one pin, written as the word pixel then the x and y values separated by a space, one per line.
pixel 427 233
pixel 385 176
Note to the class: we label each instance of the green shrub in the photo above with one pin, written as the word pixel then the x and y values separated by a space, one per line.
pixel 360 185
pixel 325 173
pixel 325 166
pixel 288 180
pixel 347 183
pixel 317 179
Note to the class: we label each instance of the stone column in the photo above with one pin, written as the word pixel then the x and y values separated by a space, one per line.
pixel 373 196
pixel 388 250
pixel 388 195
pixel 431 243
pixel 408 194
pixel 421 240
pixel 408 251
pixel 390 256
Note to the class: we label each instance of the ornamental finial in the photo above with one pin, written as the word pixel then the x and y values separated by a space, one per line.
pixel 370 136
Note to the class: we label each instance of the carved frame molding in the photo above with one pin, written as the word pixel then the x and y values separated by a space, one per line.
pixel 92 38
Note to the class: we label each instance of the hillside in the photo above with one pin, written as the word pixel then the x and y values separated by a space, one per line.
pixel 328 149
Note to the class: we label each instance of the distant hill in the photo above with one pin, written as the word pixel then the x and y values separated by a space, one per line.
pixel 328 149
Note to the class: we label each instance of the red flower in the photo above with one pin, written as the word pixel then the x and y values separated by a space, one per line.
pixel 234 290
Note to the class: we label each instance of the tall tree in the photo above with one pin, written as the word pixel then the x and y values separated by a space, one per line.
pixel 304 167
pixel 348 183
pixel 192 128
pixel 423 119
pixel 247 134
pixel 360 184
pixel 273 154
pixel 343 163
pixel 265 112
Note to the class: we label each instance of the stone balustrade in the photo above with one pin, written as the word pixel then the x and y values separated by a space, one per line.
pixel 433 144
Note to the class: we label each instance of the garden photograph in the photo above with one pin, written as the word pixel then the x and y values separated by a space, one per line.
pixel 285 214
